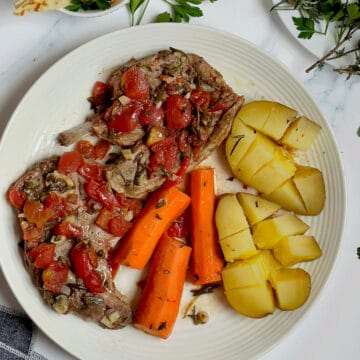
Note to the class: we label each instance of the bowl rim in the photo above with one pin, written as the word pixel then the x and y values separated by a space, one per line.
pixel 95 13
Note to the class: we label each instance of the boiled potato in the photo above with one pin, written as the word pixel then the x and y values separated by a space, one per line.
pixel 291 250
pixel 255 207
pixel 268 232
pixel 301 133
pixel 273 174
pixel 259 153
pixel 269 117
pixel 309 182
pixel 229 216
pixel 291 286
pixel 253 301
pixel 267 262
pixel 279 119
pixel 238 246
pixel 243 273
pixel 238 142
pixel 288 196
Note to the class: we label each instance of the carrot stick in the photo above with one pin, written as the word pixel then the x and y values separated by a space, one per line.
pixel 136 248
pixel 160 301
pixel 206 261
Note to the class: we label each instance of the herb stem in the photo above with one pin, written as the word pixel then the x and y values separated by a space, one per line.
pixel 143 9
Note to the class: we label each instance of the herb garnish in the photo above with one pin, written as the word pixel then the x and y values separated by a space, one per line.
pixel 358 252
pixel 238 138
pixel 343 15
pixel 205 289
pixel 180 10
pixel 76 5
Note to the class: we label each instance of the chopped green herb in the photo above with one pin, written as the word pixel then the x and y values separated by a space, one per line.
pixel 77 5
pixel 205 289
pixel 238 137
pixel 358 252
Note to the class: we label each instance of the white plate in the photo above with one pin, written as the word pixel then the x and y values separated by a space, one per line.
pixel 57 101
pixel 318 45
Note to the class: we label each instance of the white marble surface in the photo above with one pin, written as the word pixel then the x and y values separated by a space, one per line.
pixel 31 44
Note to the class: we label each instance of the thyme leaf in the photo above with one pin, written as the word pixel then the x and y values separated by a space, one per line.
pixel 238 137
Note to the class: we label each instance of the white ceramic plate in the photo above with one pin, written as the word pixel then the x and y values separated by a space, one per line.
pixel 57 101
pixel 318 45
pixel 117 4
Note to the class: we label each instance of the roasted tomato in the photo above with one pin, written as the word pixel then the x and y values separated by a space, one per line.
pixel 91 171
pixel 83 263
pixel 16 197
pixel 101 193
pixel 42 255
pixel 125 118
pixel 86 149
pixel 61 206
pixel 55 276
pixel 36 213
pixel 118 226
pixel 177 112
pixel 179 228
pixel 68 230
pixel 151 115
pixel 200 98
pixel 164 155
pixel 70 162
pixel 100 94
pixel 100 149
pixel 134 84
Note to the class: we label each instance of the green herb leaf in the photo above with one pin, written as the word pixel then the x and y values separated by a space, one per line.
pixel 134 5
pixel 163 17
pixel 358 252
pixel 305 27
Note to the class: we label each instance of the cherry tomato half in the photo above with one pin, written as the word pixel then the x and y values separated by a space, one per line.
pixel 177 112
pixel 151 115
pixel 126 118
pixel 134 84
pixel 70 162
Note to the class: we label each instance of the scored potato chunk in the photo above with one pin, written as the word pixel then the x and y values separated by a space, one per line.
pixel 309 182
pixel 238 246
pixel 267 262
pixel 229 216
pixel 301 133
pixel 268 232
pixel 252 301
pixel 243 273
pixel 273 174
pixel 238 142
pixel 259 153
pixel 255 113
pixel 288 196
pixel 292 287
pixel 291 250
pixel 256 208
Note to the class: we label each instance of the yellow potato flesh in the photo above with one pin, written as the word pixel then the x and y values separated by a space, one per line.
pixel 301 133
pixel 288 196
pixel 252 301
pixel 256 208
pixel 268 232
pixel 238 246
pixel 267 262
pixel 310 184
pixel 292 287
pixel 278 121
pixel 273 174
pixel 238 142
pixel 255 113
pixel 291 250
pixel 243 273
pixel 259 153
pixel 229 216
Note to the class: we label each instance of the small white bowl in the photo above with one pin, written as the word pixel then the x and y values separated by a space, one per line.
pixel 117 4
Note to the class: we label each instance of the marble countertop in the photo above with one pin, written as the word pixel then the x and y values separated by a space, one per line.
pixel 31 44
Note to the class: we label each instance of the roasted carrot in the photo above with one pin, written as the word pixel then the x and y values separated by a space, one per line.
pixel 159 303
pixel 136 248
pixel 206 260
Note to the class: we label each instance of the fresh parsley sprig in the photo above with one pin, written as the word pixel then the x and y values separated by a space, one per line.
pixel 180 10
pixel 344 15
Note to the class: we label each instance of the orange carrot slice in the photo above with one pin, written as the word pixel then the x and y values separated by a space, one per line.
pixel 136 248
pixel 206 260
pixel 159 303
